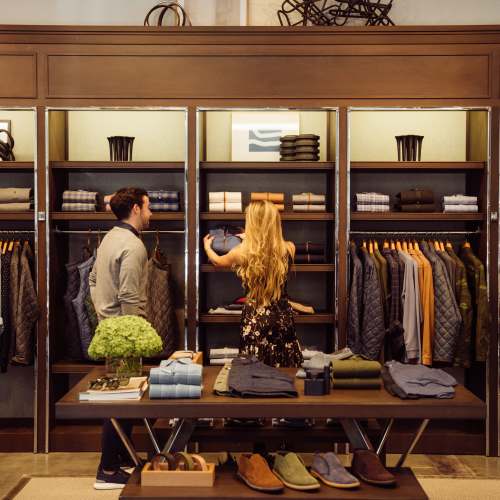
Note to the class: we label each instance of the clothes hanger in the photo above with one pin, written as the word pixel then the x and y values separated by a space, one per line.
pixel 466 244
pixel 449 245
pixel 436 245
pixel 370 247
pixel 386 244
pixel 375 244
pixel 415 246
pixel 441 246
pixel 398 246
pixel 364 244
pixel 405 246
pixel 393 245
pixel 410 246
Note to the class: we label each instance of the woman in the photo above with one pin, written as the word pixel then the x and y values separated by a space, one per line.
pixel 262 261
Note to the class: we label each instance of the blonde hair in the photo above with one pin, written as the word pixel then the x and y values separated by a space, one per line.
pixel 264 265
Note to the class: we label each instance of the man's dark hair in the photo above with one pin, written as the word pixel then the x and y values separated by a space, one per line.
pixel 124 200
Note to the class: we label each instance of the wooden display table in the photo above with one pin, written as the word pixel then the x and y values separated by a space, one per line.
pixel 348 406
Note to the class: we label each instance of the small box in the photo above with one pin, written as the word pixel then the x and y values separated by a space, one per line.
pixel 191 479
pixel 317 382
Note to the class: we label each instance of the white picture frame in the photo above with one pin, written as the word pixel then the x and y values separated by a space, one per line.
pixel 217 12
pixel 4 125
pixel 256 135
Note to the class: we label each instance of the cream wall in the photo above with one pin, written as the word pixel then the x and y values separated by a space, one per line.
pixel 260 12
pixel 159 135
pixel 218 130
pixel 372 134
pixel 22 128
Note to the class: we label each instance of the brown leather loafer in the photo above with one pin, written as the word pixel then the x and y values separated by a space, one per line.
pixel 366 465
pixel 254 471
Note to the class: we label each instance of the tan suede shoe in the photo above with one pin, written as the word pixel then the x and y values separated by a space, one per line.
pixel 255 472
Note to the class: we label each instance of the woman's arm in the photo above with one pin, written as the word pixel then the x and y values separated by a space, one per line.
pixel 228 260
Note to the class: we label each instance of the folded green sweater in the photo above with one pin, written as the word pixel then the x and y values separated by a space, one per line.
pixel 356 383
pixel 356 368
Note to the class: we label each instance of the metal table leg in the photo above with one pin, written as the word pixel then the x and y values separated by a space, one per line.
pixel 151 435
pixel 126 442
pixel 180 436
pixel 413 443
pixel 385 435
pixel 357 436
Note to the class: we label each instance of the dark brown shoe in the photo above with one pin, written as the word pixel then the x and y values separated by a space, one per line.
pixel 366 465
pixel 254 471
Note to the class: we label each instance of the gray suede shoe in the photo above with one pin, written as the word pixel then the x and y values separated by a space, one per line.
pixel 327 468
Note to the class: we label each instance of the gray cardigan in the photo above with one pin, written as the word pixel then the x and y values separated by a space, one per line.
pixel 118 278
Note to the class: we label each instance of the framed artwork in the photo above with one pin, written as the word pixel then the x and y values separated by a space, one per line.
pixel 4 125
pixel 256 135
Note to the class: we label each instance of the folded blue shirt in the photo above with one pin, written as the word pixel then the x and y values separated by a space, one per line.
pixel 180 391
pixel 177 371
pixel 160 195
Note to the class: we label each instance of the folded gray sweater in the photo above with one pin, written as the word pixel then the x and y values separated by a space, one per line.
pixel 177 371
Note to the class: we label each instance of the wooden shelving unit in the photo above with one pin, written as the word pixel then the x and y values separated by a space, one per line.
pixel 17 165
pixel 104 216
pixel 117 166
pixel 17 216
pixel 422 216
pixel 298 268
pixel 269 167
pixel 416 166
pixel 230 319
pixel 312 216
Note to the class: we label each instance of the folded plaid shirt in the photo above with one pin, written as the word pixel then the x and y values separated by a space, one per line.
pixel 164 207
pixel 160 196
pixel 373 208
pixel 372 198
pixel 79 196
pixel 78 207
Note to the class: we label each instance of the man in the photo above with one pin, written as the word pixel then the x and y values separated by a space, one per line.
pixel 118 288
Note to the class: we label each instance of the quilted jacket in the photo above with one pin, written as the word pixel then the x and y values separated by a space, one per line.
pixel 160 310
pixel 372 325
pixel 27 310
pixel 355 302
pixel 447 313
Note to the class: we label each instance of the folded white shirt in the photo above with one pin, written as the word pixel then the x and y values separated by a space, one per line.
pixel 459 199
pixel 461 208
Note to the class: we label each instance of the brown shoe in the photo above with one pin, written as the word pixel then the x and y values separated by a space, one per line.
pixel 366 465
pixel 255 472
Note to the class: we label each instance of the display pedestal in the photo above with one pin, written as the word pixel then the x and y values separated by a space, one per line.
pixel 228 487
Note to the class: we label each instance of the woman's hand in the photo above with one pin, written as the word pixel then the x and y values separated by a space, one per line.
pixel 207 242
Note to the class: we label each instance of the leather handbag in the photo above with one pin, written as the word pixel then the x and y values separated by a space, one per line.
pixel 182 19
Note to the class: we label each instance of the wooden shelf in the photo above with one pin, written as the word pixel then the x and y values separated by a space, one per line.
pixel 228 486
pixel 86 216
pixel 17 165
pixel 30 216
pixel 222 216
pixel 298 268
pixel 422 216
pixel 222 319
pixel 438 166
pixel 259 166
pixel 118 166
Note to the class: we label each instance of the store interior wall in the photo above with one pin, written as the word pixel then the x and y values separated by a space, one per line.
pixel 260 12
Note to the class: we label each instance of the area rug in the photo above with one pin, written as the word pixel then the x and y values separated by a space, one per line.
pixel 460 489
pixel 59 488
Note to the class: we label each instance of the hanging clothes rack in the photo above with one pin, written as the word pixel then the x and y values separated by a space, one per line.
pixel 415 233
pixel 15 231
pixel 94 231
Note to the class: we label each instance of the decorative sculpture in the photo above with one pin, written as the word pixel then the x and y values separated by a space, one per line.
pixel 334 12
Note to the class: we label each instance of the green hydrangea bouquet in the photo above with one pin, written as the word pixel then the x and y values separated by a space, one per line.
pixel 123 341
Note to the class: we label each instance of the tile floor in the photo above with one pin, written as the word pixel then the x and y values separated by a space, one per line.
pixel 14 465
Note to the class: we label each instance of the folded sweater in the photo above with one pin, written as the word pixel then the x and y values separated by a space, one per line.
pixel 459 199
pixel 308 199
pixel 357 383
pixel 356 368
pixel 461 208
pixel 161 391
pixel 417 207
pixel 176 371
pixel 15 195
pixel 274 197
pixel 416 196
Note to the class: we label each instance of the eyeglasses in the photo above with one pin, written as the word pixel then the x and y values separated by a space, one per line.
pixel 108 383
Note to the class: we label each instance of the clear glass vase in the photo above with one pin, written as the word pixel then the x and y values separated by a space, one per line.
pixel 124 367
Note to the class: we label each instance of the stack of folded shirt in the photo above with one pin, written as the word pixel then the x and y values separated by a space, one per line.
pixel 225 239
pixel 356 373
pixel 417 381
pixel 227 309
pixel 309 202
pixel 277 198
pixel 79 201
pixel 224 201
pixel 223 356
pixel 460 203
pixel 416 200
pixel 317 360
pixel 107 202
pixel 15 199
pixel 372 202
pixel 309 253
pixel 303 147
pixel 175 379
pixel 163 201
pixel 249 377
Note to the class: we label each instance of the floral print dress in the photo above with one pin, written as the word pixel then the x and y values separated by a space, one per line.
pixel 268 333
